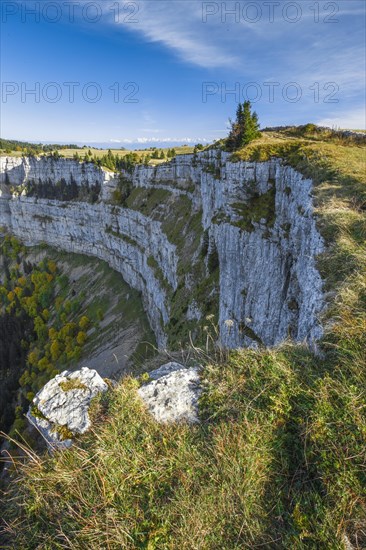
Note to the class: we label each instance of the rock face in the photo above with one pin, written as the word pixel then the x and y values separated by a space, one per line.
pixel 269 283
pixel 20 170
pixel 60 408
pixel 173 394
pixel 122 237
pixel 256 218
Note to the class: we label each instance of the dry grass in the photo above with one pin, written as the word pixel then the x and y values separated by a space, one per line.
pixel 277 462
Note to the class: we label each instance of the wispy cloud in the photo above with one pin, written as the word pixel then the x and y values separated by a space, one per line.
pixel 350 119
pixel 221 40
pixel 179 26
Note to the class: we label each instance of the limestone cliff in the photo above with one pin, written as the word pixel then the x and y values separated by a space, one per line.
pixel 198 235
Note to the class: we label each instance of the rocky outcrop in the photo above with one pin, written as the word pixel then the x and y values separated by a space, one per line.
pixel 257 218
pixel 124 238
pixel 261 222
pixel 17 171
pixel 269 284
pixel 60 410
pixel 173 393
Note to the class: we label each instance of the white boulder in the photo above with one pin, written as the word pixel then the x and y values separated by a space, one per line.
pixel 60 409
pixel 173 393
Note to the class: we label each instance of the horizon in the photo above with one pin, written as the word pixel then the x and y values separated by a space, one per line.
pixel 148 145
pixel 151 72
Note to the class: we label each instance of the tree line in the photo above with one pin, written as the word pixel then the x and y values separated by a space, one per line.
pixel 116 163
pixel 31 149
pixel 63 190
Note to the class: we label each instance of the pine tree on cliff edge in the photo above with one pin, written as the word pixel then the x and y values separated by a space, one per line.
pixel 244 129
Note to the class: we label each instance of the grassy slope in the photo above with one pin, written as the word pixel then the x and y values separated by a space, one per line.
pixel 279 461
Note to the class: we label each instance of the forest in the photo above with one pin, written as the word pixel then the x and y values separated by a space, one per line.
pixel 63 191
pixel 41 330
pixel 10 145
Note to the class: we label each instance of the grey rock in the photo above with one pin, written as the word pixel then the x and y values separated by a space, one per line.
pixel 168 368
pixel 19 170
pixel 268 274
pixel 173 394
pixel 56 406
pixel 193 312
pixel 270 288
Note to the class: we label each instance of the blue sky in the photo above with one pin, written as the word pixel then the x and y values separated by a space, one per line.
pixel 178 60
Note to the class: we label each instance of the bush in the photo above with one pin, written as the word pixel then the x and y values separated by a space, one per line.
pixel 81 338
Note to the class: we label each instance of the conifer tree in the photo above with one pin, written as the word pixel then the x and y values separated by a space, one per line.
pixel 245 128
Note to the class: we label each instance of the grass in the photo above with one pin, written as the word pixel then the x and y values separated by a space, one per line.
pixel 72 384
pixel 147 200
pixel 337 167
pixel 341 163
pixel 158 273
pixel 278 460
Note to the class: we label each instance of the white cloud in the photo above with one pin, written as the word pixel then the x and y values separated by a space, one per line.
pixel 352 119
pixel 178 25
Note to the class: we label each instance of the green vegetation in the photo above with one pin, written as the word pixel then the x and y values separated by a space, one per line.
pixel 115 163
pixel 37 413
pixel 278 461
pixel 151 262
pixel 147 201
pixel 63 432
pixel 183 229
pixel 115 310
pixel 11 147
pixel 72 384
pixel 336 164
pixel 45 330
pixel 123 191
pixel 62 191
pixel 245 128
pixel 113 159
pixel 151 155
pixel 258 207
pixel 321 156
pixel 123 237
pixel 46 316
